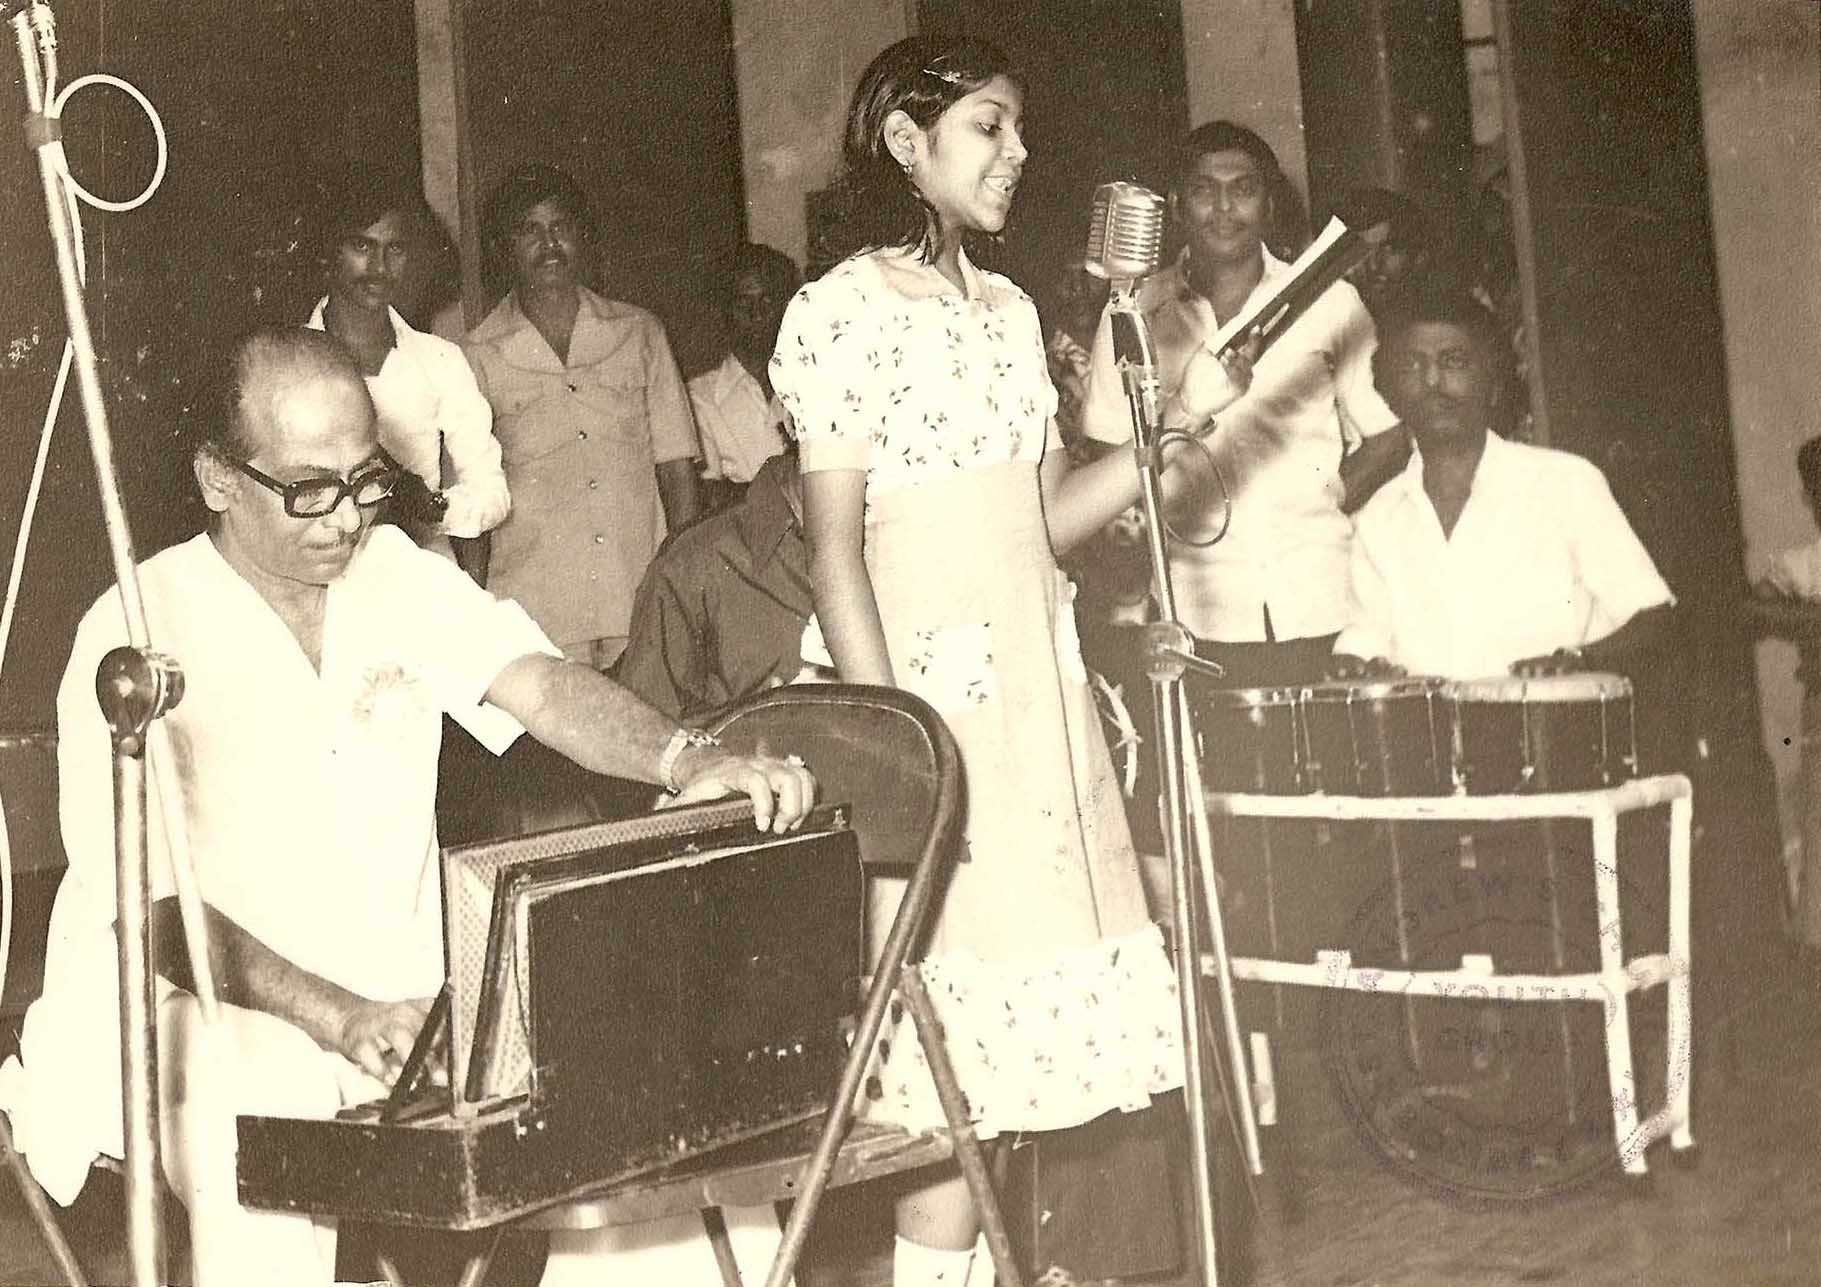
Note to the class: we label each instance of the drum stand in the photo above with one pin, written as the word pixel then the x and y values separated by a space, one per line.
pixel 1169 653
pixel 134 686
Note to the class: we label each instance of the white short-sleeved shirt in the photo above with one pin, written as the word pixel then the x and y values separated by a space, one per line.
pixel 741 427
pixel 426 399
pixel 906 388
pixel 1279 449
pixel 1541 558
pixel 311 799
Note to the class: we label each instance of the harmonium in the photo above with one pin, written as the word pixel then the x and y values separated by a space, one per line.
pixel 621 997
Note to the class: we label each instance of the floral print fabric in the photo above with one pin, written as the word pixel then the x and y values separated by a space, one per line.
pixel 908 388
pixel 1052 986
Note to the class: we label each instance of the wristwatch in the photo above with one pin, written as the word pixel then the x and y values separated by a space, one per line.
pixel 680 740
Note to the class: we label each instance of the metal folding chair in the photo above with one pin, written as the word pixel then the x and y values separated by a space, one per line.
pixel 888 755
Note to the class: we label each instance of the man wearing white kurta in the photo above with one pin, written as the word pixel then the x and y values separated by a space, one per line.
pixel 741 423
pixel 319 655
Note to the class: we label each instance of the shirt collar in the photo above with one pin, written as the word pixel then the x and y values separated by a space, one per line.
pixel 765 517
pixel 522 345
pixel 1494 467
pixel 400 327
pixel 1173 284
pixel 973 284
pixel 730 375
pixel 1177 275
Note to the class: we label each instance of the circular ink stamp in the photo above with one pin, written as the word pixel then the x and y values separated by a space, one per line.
pixel 1495 1087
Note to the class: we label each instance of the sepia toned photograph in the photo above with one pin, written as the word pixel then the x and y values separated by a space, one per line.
pixel 910 643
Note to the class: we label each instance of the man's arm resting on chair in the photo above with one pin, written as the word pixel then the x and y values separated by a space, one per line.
pixel 376 1035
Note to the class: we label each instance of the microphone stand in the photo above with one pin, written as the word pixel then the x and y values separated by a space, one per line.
pixel 134 686
pixel 1169 654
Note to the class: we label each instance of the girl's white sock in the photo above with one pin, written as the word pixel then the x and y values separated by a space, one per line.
pixel 915 1265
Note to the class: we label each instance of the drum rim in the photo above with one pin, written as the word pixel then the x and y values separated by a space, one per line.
pixel 1273 695
pixel 1580 685
pixel 1394 686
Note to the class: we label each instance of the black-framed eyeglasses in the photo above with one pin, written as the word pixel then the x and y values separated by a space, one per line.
pixel 314 497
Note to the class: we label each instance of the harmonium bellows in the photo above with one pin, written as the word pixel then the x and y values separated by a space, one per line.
pixel 621 997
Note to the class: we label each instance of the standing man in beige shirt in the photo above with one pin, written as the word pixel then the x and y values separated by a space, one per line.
pixel 592 417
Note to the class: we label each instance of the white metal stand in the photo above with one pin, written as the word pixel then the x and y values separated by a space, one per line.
pixel 1610 985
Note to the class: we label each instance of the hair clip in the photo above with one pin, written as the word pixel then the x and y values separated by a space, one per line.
pixel 947 77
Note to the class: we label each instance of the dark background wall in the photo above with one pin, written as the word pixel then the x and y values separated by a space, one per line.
pixel 1384 87
pixel 638 102
pixel 1633 363
pixel 260 103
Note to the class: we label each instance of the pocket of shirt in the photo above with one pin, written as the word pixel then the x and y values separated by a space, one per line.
pixel 614 391
pixel 606 402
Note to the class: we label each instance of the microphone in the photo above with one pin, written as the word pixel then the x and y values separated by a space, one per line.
pixel 1125 240
pixel 1125 233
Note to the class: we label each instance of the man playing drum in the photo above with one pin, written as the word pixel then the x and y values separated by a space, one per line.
pixel 1500 567
pixel 1485 556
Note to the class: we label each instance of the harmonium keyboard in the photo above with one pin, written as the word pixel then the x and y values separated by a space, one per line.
pixel 621 997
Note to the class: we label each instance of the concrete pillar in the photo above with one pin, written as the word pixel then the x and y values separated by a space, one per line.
pixel 448 177
pixel 1240 56
pixel 1761 116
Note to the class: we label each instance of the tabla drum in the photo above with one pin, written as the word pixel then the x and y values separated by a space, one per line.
pixel 1249 740
pixel 1516 735
pixel 1389 737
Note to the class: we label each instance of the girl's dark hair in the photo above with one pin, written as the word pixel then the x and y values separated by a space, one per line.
pixel 922 76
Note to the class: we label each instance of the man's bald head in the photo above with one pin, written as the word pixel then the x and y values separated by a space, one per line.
pixel 267 367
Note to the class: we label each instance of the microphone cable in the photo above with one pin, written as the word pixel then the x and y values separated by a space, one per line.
pixel 1194 439
pixel 44 25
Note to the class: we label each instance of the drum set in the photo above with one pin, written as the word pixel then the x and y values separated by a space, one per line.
pixel 1411 836
pixel 1508 735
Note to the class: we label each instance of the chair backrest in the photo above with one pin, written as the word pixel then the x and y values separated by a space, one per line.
pixel 882 750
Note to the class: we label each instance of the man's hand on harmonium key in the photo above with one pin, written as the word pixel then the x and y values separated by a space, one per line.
pixel 378 1036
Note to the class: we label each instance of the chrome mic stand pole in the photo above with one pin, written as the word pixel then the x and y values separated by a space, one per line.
pixel 1169 654
pixel 134 686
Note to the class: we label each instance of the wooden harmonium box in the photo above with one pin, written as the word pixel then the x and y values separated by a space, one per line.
pixel 621 996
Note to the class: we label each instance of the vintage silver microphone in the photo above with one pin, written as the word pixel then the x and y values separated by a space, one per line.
pixel 1125 233
pixel 1125 243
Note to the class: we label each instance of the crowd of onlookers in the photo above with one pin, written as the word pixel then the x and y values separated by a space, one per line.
pixel 563 458
pixel 560 447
